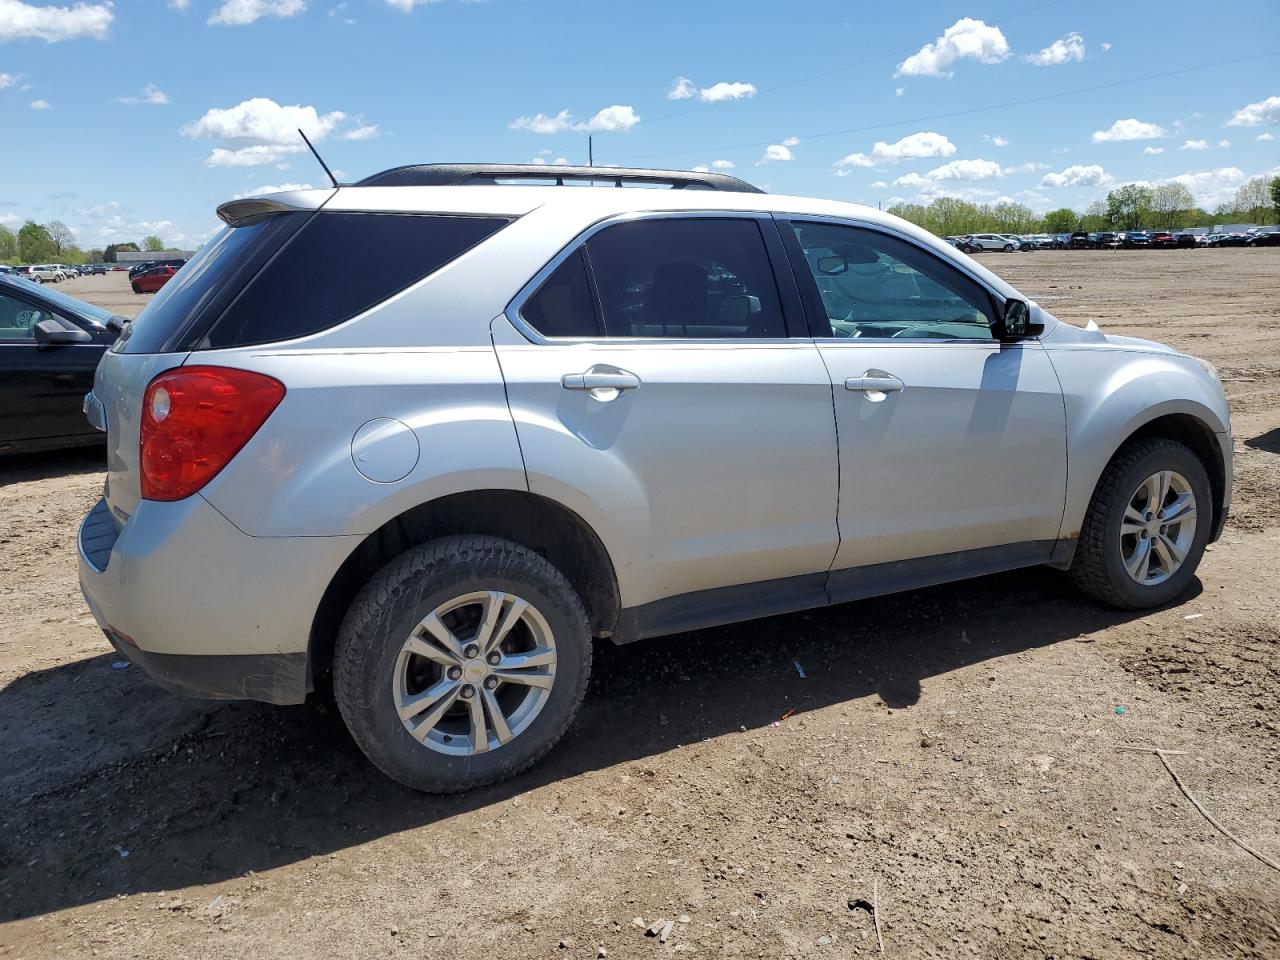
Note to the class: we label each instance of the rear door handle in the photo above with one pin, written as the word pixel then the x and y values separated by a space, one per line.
pixel 880 384
pixel 600 380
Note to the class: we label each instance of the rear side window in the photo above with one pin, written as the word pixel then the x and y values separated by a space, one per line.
pixel 339 265
pixel 201 290
pixel 685 278
pixel 564 306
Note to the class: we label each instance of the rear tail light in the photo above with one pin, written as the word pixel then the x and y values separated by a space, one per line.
pixel 194 420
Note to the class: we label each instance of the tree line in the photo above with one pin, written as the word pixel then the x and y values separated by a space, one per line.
pixel 1133 206
pixel 54 242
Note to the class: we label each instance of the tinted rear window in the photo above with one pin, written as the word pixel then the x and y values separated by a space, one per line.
pixel 201 290
pixel 338 266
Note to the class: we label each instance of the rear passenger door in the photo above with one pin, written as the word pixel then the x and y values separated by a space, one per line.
pixel 663 386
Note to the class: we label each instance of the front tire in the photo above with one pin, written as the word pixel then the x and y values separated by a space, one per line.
pixel 1146 527
pixel 1008 248
pixel 462 663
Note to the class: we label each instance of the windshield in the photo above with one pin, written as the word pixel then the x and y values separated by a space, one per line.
pixel 78 307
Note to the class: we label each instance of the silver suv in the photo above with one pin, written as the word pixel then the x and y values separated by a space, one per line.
pixel 418 440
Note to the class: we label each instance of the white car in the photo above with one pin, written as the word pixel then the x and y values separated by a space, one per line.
pixel 994 241
pixel 46 273
pixel 526 416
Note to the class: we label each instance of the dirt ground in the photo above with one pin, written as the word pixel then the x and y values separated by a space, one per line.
pixel 951 752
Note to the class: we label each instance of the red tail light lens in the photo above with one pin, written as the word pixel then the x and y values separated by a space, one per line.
pixel 194 420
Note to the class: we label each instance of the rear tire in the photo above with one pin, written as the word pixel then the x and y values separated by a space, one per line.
pixel 1109 562
pixel 421 620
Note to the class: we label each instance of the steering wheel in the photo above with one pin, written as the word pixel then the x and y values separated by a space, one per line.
pixel 27 318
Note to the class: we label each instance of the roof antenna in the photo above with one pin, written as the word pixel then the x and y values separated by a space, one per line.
pixel 319 159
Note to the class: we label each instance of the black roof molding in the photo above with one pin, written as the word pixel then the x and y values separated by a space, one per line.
pixel 465 174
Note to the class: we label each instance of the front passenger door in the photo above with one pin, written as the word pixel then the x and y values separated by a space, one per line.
pixel 950 441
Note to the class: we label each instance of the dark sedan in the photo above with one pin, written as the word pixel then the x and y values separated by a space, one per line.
pixel 1266 238
pixel 50 345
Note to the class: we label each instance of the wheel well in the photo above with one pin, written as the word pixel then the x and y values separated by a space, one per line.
pixel 1198 436
pixel 542 525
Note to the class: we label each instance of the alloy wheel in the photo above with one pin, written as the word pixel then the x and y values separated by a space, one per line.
pixel 1158 527
pixel 474 673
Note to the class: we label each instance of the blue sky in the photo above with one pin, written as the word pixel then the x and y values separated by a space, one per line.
pixel 140 116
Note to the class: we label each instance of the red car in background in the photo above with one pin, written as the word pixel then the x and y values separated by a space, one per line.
pixel 1164 239
pixel 149 281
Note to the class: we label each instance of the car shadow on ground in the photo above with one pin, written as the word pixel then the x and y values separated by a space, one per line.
pixel 191 792
pixel 1269 441
pixel 28 467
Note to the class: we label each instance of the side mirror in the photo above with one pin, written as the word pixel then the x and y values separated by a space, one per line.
pixel 1015 323
pixel 51 333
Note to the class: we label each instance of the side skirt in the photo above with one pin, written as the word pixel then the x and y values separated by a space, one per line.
pixel 751 601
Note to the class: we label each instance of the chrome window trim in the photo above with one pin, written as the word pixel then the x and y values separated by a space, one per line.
pixel 526 329
pixel 998 299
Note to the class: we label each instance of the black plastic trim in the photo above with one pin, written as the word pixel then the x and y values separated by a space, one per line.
pixel 750 601
pixel 489 174
pixel 279 678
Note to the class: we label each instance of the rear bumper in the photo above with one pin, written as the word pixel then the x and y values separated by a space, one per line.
pixel 205 609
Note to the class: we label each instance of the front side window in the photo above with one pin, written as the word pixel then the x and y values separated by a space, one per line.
pixel 685 278
pixel 876 285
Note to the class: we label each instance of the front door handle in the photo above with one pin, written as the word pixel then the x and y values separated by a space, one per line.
pixel 595 379
pixel 881 384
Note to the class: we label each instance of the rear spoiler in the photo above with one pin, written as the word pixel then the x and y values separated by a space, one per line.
pixel 241 213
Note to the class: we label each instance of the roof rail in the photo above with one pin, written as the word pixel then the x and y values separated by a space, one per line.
pixel 461 174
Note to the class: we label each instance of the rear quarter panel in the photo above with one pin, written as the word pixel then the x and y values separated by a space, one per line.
pixel 297 475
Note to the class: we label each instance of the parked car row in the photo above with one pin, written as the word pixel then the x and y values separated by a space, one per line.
pixel 53 272
pixel 1115 240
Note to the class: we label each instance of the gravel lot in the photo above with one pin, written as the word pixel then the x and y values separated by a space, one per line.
pixel 951 752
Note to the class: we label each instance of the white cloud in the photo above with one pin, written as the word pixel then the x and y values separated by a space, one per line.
pixel 1195 145
pixel 262 120
pixel 1264 137
pixel 1224 144
pixel 965 39
pixel 790 141
pixel 366 132
pixel 41 105
pixel 995 141
pixel 701 168
pixel 965 170
pixel 179 4
pixel 775 152
pixel 1257 114
pixel 1078 175
pixel 721 164
pixel 1153 151
pixel 682 88
pixel 911 147
pixel 19 21
pixel 271 188
pixel 1130 129
pixel 615 119
pixel 899 91
pixel 260 131
pixel 879 184
pixel 255 156
pixel 151 94
pixel 1062 50
pixel 1212 187
pixel 7 80
pixel 238 13
pixel 1106 47
pixel 723 90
